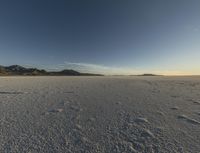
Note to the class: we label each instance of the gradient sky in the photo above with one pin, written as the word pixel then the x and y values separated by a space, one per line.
pixel 104 36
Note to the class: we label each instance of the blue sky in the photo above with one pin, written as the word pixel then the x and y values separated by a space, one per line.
pixel 112 37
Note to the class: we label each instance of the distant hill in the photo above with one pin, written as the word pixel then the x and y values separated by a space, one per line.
pixel 149 75
pixel 19 70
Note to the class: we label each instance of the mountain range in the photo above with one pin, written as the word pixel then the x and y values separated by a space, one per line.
pixel 20 70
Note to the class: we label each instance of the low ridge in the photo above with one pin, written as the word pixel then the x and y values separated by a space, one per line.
pixel 20 70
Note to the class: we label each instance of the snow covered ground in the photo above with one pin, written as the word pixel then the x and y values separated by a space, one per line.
pixel 100 114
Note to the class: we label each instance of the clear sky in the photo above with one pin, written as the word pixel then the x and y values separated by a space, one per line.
pixel 104 36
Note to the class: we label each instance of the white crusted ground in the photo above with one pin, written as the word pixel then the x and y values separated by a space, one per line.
pixel 100 114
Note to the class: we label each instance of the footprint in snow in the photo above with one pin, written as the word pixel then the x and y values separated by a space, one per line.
pixel 52 111
pixel 141 120
pixel 195 101
pixel 188 119
pixel 175 108
pixel 147 133
pixel 58 110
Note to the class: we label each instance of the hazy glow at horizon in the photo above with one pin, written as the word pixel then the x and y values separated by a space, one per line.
pixel 92 68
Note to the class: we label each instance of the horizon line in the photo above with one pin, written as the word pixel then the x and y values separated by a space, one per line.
pixel 102 73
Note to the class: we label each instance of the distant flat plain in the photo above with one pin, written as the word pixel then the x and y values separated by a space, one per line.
pixel 110 114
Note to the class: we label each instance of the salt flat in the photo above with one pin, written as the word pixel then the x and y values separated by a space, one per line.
pixel 100 114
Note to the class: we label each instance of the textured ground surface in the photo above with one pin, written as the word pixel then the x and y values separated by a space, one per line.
pixel 99 114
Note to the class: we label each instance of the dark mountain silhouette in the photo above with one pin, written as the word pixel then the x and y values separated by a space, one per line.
pixel 19 70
